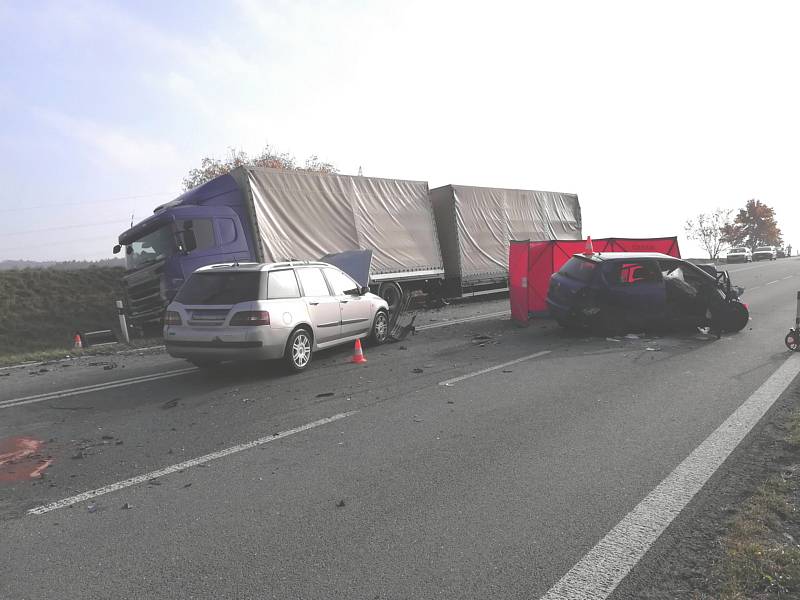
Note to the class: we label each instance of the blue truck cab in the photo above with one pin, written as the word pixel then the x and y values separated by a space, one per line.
pixel 208 224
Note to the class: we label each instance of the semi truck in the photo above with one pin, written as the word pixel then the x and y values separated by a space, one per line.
pixel 256 214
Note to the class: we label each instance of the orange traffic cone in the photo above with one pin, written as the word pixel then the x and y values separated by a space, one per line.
pixel 589 247
pixel 76 341
pixel 358 354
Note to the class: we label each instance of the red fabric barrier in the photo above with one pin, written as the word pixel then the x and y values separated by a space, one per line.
pixel 531 264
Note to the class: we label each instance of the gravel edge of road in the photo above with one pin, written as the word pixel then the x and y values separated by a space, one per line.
pixel 696 558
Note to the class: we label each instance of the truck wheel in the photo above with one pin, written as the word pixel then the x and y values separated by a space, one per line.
pixel 380 328
pixel 393 294
pixel 298 350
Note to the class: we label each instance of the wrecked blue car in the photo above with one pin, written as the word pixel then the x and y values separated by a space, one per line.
pixel 614 292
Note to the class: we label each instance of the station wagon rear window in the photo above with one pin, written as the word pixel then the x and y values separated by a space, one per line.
pixel 579 269
pixel 220 288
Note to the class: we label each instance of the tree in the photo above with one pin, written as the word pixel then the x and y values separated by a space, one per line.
pixel 753 226
pixel 214 167
pixel 707 228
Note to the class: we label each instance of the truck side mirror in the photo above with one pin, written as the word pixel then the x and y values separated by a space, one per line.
pixel 117 248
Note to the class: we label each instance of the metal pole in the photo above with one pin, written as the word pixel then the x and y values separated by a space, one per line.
pixel 123 324
pixel 797 318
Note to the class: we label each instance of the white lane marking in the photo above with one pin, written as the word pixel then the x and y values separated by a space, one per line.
pixel 113 487
pixel 464 320
pixel 787 277
pixel 156 376
pixel 494 368
pixel 19 366
pixel 596 575
pixel 771 282
pixel 94 388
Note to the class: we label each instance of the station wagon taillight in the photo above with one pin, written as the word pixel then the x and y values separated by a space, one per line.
pixel 172 318
pixel 251 317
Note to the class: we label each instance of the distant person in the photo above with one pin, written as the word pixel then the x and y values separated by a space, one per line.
pixel 789 250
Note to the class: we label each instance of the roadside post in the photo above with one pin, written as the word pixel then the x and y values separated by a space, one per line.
pixel 123 323
pixel 793 337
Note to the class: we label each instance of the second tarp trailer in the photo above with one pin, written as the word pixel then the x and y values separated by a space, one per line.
pixel 476 224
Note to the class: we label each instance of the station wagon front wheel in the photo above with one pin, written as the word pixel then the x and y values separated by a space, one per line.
pixel 298 350
pixel 380 328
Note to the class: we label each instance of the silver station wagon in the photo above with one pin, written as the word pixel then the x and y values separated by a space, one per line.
pixel 284 311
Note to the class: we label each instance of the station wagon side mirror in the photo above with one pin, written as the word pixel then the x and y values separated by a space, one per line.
pixel 363 291
pixel 117 248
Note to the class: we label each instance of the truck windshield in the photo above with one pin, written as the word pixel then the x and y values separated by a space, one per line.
pixel 150 248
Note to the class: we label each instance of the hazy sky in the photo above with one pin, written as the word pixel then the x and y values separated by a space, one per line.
pixel 651 112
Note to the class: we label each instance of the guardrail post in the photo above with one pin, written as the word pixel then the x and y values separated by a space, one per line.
pixel 123 323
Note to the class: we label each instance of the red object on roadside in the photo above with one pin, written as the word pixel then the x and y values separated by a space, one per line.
pixel 358 354
pixel 76 341
pixel 21 459
pixel 589 250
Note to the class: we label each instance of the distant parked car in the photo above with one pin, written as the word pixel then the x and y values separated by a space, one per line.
pixel 765 253
pixel 781 253
pixel 737 255
pixel 614 292
pixel 270 311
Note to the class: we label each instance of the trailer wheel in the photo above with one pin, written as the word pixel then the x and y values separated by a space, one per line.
pixel 393 294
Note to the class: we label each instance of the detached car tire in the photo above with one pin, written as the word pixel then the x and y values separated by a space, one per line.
pixel 380 328
pixel 298 354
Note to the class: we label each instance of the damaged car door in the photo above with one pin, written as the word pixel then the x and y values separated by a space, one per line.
pixel 635 296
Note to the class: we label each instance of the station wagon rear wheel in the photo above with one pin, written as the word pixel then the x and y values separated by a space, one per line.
pixel 298 350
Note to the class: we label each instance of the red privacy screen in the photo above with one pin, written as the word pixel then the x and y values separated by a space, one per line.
pixel 530 265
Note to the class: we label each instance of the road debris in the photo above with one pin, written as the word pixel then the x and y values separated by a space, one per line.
pixel 340 503
pixel 325 395
pixel 127 506
pixel 170 403
pixel 92 507
pixel 153 482
pixel 417 370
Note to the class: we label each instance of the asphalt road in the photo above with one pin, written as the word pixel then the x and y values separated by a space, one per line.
pixel 493 485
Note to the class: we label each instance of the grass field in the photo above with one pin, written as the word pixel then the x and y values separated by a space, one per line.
pixel 40 309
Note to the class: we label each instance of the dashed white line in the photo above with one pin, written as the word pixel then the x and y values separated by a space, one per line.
pixel 787 277
pixel 596 575
pixel 503 313
pixel 167 374
pixel 449 382
pixel 771 282
pixel 113 487
pixel 98 387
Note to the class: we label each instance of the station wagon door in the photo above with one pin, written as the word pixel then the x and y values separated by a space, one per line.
pixel 636 290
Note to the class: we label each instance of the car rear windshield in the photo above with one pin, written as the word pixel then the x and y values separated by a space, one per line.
pixel 579 269
pixel 220 288
pixel 737 250
pixel 764 249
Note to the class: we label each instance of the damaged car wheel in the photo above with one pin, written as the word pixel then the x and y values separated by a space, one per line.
pixel 737 317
